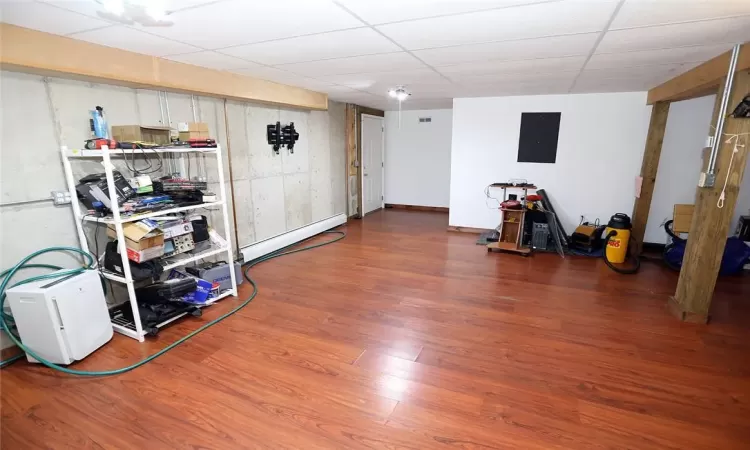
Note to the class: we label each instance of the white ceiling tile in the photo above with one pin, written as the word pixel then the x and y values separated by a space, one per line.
pixel 628 78
pixel 656 71
pixel 236 22
pixel 417 104
pixel 709 32
pixel 540 78
pixel 336 89
pixel 679 55
pixel 362 99
pixel 212 60
pixel 120 36
pixel 527 66
pixel 384 11
pixel 93 8
pixel 639 13
pixel 515 88
pixel 284 77
pixel 548 47
pixel 47 18
pixel 355 64
pixel 266 73
pixel 588 85
pixel 337 44
pixel 539 20
pixel 88 8
pixel 368 80
pixel 434 89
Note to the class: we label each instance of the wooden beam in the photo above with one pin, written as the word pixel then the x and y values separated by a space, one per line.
pixel 699 81
pixel 710 225
pixel 352 169
pixel 30 51
pixel 649 167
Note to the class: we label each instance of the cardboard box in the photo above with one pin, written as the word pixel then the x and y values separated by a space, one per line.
pixel 682 217
pixel 133 133
pixel 142 239
pixel 192 130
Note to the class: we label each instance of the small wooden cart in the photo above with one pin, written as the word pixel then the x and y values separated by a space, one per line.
pixel 511 226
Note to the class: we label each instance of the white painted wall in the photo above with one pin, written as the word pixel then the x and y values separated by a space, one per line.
pixel 680 163
pixel 600 149
pixel 418 157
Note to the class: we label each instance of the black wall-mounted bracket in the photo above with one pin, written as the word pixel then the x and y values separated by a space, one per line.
pixel 279 136
pixel 290 136
pixel 273 134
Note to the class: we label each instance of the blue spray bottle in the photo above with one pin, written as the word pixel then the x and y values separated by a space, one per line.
pixel 99 123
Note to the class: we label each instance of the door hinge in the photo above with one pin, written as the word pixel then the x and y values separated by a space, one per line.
pixel 382 198
pixel 382 164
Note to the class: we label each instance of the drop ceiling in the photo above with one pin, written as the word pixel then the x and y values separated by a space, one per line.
pixel 355 50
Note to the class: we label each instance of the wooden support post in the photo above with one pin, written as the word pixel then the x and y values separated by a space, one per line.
pixel 352 189
pixel 710 225
pixel 650 165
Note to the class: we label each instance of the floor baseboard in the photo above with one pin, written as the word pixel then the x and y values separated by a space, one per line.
pixel 417 207
pixel 468 230
pixel 270 245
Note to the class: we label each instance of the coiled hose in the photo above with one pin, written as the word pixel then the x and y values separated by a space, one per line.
pixel 8 274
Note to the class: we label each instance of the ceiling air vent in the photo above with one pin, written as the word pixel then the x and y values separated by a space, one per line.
pixel 425 119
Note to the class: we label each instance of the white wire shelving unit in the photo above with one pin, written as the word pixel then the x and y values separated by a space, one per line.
pixel 135 329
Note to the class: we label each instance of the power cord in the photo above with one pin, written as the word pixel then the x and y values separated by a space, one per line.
pixel 8 274
pixel 487 194
pixel 735 150
pixel 148 169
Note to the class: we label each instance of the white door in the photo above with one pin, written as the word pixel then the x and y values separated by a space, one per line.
pixel 372 162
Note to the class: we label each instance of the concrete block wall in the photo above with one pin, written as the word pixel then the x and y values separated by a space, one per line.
pixel 278 193
pixel 273 193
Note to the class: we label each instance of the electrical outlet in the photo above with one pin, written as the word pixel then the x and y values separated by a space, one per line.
pixel 61 198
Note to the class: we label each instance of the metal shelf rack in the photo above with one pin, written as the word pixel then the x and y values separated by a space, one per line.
pixel 135 329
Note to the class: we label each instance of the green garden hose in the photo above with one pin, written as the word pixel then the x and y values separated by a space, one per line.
pixel 6 275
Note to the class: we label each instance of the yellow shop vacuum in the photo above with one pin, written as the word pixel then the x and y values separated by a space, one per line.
pixel 616 243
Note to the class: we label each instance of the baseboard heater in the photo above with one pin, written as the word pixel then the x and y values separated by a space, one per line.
pixel 266 246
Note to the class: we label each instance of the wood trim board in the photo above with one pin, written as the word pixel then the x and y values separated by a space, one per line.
pixel 699 81
pixel 417 207
pixel 31 51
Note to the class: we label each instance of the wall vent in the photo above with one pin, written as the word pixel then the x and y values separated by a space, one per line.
pixel 425 119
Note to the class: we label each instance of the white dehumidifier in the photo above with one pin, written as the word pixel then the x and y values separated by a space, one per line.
pixel 61 319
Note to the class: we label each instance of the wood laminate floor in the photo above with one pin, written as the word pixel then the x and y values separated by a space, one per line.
pixel 405 336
